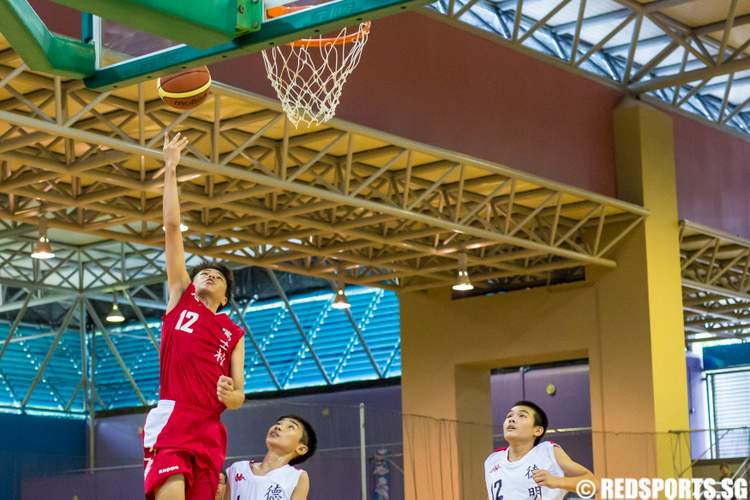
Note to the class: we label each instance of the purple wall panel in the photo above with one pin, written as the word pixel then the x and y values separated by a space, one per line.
pixel 569 407
pixel 571 404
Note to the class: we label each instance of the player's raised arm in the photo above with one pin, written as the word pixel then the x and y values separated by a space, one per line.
pixel 177 276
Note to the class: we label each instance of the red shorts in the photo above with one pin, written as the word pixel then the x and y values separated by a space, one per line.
pixel 179 439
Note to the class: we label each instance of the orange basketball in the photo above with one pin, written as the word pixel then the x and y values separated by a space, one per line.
pixel 185 90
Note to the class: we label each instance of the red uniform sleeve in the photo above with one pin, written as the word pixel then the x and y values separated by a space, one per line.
pixel 239 331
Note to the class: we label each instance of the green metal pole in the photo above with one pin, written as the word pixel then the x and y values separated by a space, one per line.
pixel 41 49
pixel 87 27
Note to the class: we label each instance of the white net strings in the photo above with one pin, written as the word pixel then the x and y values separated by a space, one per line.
pixel 309 79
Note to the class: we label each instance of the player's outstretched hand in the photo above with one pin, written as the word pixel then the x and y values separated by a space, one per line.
pixel 545 478
pixel 173 149
pixel 224 388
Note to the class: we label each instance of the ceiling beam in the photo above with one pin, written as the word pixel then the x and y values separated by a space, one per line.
pixel 662 82
pixel 38 302
pixel 305 189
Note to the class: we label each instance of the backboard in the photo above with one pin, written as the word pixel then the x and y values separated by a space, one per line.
pixel 126 56
pixel 116 44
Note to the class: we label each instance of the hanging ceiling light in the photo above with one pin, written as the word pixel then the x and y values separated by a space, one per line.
pixel 340 301
pixel 115 316
pixel 463 284
pixel 42 248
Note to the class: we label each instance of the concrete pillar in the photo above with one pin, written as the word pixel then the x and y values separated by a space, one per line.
pixel 627 321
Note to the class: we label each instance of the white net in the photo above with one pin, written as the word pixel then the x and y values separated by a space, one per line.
pixel 309 75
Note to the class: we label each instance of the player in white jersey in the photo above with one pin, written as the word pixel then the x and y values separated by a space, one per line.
pixel 289 441
pixel 529 469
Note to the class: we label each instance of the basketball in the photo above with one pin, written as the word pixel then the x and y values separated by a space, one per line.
pixel 185 90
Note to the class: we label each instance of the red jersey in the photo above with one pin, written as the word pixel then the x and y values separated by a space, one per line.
pixel 196 349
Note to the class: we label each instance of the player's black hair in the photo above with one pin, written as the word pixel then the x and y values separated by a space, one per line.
pixel 309 438
pixel 540 418
pixel 224 270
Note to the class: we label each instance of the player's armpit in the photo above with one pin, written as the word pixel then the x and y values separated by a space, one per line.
pixel 175 293
pixel 303 487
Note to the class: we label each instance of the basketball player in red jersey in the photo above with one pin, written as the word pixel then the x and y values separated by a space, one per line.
pixel 202 359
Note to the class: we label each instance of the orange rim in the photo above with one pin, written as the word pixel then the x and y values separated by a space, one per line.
pixel 283 10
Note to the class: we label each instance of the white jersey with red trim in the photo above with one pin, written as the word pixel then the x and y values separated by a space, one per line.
pixel 514 480
pixel 243 484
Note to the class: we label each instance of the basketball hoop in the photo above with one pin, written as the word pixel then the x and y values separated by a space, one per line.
pixel 309 75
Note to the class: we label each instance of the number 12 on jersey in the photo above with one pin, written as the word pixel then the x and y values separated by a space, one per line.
pixel 496 487
pixel 186 320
